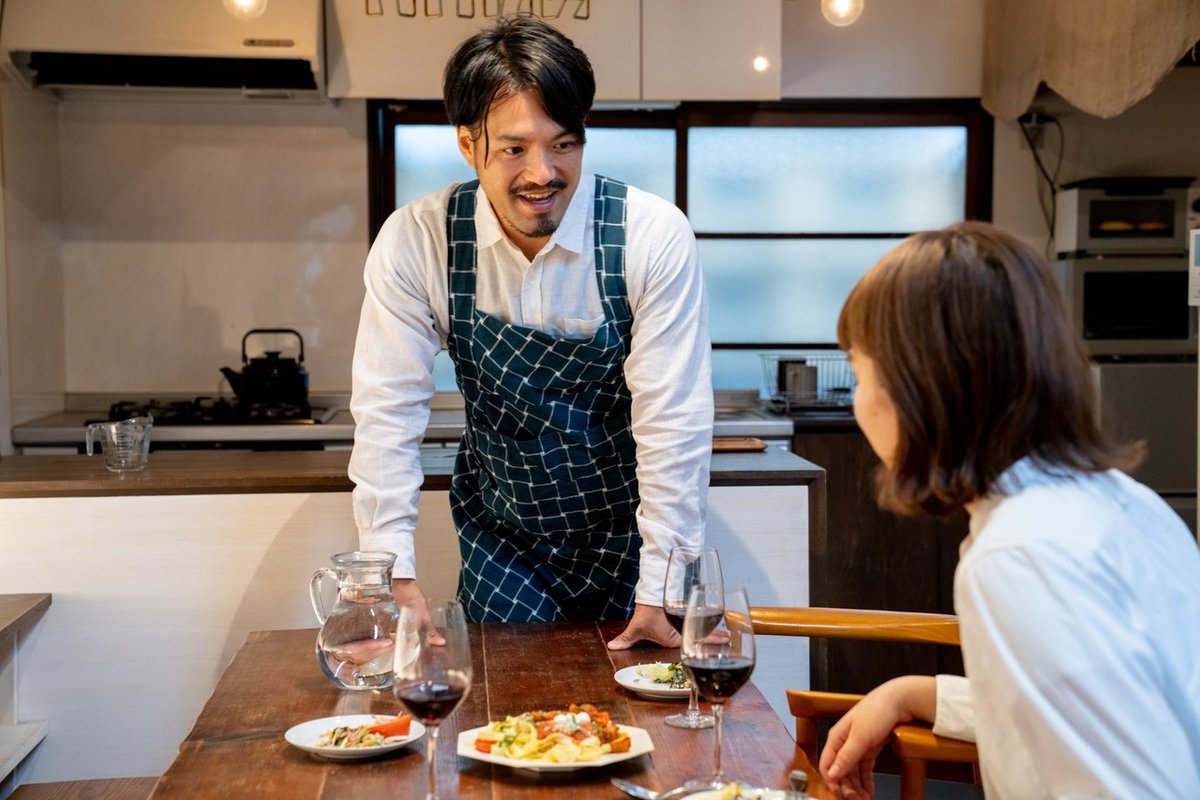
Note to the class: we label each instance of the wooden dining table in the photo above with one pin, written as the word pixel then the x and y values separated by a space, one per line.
pixel 236 747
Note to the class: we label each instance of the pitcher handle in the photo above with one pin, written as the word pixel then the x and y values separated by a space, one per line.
pixel 314 591
pixel 89 436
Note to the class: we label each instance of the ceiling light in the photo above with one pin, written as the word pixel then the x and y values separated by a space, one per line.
pixel 245 9
pixel 761 64
pixel 838 12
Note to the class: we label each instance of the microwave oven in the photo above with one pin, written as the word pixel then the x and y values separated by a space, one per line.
pixel 1101 216
pixel 1130 305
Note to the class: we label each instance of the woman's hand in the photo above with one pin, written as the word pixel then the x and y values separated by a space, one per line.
pixel 648 623
pixel 848 759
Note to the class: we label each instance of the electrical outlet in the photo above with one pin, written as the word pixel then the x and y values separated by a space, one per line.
pixel 1032 123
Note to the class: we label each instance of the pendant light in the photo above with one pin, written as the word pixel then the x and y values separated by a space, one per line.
pixel 839 12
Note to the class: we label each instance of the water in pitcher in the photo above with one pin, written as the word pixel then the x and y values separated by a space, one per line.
pixel 354 646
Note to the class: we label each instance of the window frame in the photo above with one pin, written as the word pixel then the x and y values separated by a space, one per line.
pixel 384 115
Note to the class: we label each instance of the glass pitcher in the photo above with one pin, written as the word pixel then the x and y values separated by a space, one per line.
pixel 354 646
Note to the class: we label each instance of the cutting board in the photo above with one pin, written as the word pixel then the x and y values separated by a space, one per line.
pixel 738 444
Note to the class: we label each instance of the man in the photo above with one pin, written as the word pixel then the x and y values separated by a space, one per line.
pixel 574 311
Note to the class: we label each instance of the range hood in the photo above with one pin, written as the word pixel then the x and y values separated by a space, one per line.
pixel 193 49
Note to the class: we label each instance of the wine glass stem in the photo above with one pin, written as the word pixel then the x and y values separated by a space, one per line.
pixel 431 756
pixel 718 713
pixel 693 709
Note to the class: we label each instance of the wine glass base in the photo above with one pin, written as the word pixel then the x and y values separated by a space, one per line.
pixel 690 721
pixel 711 783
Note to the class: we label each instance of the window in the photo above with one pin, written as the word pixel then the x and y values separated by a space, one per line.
pixel 791 202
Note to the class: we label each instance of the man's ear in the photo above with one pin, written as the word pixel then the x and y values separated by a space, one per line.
pixel 466 145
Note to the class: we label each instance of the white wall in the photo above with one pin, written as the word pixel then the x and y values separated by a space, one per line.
pixel 35 357
pixel 188 225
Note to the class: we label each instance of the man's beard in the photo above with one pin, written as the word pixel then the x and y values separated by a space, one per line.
pixel 545 225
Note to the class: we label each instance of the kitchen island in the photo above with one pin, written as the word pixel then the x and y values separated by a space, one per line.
pixel 158 576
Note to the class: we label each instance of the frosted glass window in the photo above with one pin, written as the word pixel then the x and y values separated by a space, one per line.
pixel 825 180
pixel 643 157
pixel 427 159
pixel 782 290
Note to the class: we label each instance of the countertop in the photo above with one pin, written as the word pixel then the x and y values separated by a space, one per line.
pixel 335 425
pixel 244 471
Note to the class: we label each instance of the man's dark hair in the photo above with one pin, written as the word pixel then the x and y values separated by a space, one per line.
pixel 519 54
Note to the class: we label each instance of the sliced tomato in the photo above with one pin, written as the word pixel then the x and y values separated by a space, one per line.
pixel 400 726
pixel 484 745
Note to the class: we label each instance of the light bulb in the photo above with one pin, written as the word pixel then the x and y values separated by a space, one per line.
pixel 761 63
pixel 840 12
pixel 245 9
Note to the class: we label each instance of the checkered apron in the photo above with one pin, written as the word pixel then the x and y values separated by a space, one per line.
pixel 544 488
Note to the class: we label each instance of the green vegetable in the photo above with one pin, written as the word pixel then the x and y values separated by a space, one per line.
pixel 671 674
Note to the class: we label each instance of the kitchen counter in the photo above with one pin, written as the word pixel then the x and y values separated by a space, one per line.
pixel 244 471
pixel 171 567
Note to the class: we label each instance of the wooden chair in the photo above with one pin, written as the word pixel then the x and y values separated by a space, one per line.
pixel 914 745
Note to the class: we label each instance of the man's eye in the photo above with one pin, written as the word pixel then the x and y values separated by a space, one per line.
pixel 566 147
pixel 513 151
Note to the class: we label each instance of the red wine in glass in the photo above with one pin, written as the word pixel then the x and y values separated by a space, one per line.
pixel 718 679
pixel 709 618
pixel 432 701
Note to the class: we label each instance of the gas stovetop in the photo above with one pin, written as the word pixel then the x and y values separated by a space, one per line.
pixel 213 411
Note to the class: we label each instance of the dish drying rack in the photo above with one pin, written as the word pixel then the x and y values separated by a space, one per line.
pixel 832 388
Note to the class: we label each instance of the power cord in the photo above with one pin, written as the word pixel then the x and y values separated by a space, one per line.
pixel 1032 124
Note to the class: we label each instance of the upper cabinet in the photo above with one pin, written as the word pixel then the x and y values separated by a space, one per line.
pixel 641 50
pixel 711 49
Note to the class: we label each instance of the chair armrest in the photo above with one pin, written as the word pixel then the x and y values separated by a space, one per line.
pixel 919 741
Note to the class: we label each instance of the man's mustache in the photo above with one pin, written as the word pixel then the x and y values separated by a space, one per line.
pixel 557 183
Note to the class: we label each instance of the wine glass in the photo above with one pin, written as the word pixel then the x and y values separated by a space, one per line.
pixel 431 672
pixel 687 566
pixel 718 654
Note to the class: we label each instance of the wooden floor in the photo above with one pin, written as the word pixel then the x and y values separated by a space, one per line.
pixel 107 789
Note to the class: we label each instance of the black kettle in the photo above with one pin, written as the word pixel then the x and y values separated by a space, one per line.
pixel 270 380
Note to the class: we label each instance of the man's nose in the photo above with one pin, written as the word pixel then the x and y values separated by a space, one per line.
pixel 540 166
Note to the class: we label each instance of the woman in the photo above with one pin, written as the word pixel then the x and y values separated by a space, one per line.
pixel 1078 589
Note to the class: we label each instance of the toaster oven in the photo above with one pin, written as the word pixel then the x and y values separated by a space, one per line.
pixel 1100 216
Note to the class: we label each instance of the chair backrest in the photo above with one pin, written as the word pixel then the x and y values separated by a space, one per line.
pixel 854 623
pixel 913 746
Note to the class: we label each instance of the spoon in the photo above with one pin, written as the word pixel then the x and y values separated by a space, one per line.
pixel 642 793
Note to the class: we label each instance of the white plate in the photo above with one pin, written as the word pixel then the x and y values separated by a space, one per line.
pixel 748 793
pixel 307 734
pixel 639 744
pixel 634 681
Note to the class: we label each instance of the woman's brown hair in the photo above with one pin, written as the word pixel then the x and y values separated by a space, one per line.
pixel 969 338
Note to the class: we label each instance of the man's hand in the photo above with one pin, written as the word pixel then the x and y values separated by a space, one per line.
pixel 848 760
pixel 408 593
pixel 649 623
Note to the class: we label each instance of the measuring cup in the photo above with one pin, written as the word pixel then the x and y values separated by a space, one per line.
pixel 125 443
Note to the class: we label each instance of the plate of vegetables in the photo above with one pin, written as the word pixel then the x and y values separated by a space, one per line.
pixel 354 736
pixel 659 681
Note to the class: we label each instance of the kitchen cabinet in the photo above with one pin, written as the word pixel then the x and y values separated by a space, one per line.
pixel 869 558
pixel 641 50
pixel 711 50
pixel 18 614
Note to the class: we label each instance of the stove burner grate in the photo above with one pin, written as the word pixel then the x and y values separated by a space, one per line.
pixel 211 411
